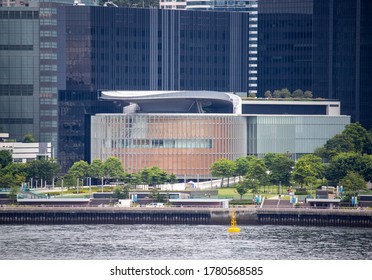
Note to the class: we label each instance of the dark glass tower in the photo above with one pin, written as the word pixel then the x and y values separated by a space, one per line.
pixel 320 45
pixel 142 49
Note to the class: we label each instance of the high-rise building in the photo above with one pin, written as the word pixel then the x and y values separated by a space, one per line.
pixel 247 6
pixel 28 68
pixel 324 46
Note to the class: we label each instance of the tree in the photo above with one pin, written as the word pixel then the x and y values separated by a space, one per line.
pixel 366 167
pixel 8 180
pixel 29 138
pixel 121 192
pixel 252 95
pixel 79 170
pixel 268 94
pixel 5 158
pixel 145 176
pixel 358 135
pixel 242 190
pixel 45 170
pixel 96 169
pixel 257 172
pixel 285 93
pixel 341 164
pixel 223 168
pixel 353 182
pixel 280 168
pixel 298 93
pixel 241 166
pixel 113 169
pixel 276 94
pixel 308 166
pixel 172 179
pixel 308 94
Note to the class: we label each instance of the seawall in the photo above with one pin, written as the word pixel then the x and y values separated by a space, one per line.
pixel 195 216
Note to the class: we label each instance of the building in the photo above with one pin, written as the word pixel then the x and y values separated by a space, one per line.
pixel 28 68
pixel 184 132
pixel 324 46
pixel 140 49
pixel 246 6
pixel 24 152
pixel 177 137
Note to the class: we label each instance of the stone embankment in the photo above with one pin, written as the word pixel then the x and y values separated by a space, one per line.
pixel 195 216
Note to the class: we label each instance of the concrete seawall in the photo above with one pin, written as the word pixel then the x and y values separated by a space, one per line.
pixel 196 216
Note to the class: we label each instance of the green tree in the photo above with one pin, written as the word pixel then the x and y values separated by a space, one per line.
pixel 341 164
pixel 257 172
pixel 308 166
pixel 113 169
pixel 96 169
pixel 353 182
pixel 366 167
pixel 241 190
pixel 252 95
pixel 5 158
pixel 145 176
pixel 268 94
pixel 241 166
pixel 8 180
pixel 298 93
pixel 121 192
pixel 29 138
pixel 308 94
pixel 45 169
pixel 78 170
pixel 172 179
pixel 223 168
pixel 280 168
pixel 358 135
pixel 285 93
pixel 276 93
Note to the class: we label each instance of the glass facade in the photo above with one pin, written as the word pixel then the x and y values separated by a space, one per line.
pixel 28 68
pixel 183 144
pixel 296 135
pixel 19 72
pixel 320 45
pixel 74 110
pixel 148 49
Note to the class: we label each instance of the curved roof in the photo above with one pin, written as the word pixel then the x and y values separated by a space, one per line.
pixel 178 101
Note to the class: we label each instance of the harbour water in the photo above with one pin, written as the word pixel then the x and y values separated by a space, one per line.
pixel 179 242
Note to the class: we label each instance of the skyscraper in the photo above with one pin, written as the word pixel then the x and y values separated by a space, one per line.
pixel 320 45
pixel 28 68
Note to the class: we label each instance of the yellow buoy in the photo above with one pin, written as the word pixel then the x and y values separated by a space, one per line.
pixel 233 227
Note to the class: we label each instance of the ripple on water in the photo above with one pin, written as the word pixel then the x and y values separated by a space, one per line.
pixel 182 242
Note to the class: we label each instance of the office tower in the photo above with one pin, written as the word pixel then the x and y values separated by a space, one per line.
pixel 247 6
pixel 320 45
pixel 28 68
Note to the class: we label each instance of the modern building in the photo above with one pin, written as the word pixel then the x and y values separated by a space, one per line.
pixel 185 132
pixel 324 46
pixel 28 68
pixel 107 48
pixel 24 152
pixel 172 131
pixel 246 6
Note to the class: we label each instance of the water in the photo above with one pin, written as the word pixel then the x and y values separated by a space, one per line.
pixel 85 242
